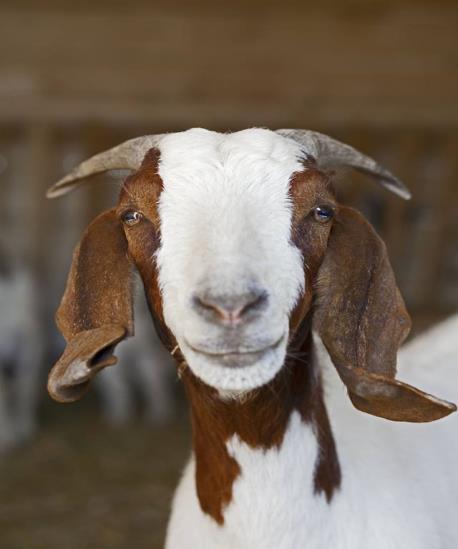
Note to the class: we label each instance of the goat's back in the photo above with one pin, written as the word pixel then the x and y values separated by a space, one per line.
pixel 405 473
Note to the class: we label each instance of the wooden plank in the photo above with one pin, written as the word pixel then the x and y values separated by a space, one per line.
pixel 36 172
pixel 174 67
pixel 89 39
pixel 443 204
pixel 401 156
pixel 225 115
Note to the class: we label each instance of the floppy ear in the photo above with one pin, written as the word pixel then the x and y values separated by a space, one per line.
pixel 361 319
pixel 96 310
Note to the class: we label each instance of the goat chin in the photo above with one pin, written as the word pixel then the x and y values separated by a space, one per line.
pixel 239 379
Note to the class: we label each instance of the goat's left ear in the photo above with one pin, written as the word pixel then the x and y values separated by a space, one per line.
pixel 361 319
pixel 96 311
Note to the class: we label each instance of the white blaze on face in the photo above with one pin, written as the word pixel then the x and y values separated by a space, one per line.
pixel 225 225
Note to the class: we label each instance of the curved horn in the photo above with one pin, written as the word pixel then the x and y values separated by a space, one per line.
pixel 126 156
pixel 329 152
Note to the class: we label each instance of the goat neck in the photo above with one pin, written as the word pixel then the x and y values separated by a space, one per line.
pixel 260 419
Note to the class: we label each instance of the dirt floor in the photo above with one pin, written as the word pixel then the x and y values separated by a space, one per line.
pixel 81 485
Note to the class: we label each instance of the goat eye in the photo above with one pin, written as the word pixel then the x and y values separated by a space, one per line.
pixel 323 214
pixel 131 217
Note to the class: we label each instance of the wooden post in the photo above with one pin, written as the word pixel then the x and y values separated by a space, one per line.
pixel 34 219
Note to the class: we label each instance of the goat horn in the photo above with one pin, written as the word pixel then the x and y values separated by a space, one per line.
pixel 126 156
pixel 329 152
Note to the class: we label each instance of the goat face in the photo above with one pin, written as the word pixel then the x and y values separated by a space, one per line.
pixel 233 236
pixel 229 272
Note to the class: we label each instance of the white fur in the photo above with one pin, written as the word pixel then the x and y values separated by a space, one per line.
pixel 225 224
pixel 399 481
pixel 21 346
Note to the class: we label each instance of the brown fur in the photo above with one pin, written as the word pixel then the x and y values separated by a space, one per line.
pixel 141 191
pixel 309 188
pixel 362 321
pixel 97 302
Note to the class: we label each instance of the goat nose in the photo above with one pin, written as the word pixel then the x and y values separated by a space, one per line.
pixel 230 309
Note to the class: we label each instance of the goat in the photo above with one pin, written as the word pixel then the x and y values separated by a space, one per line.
pixel 20 354
pixel 144 366
pixel 244 252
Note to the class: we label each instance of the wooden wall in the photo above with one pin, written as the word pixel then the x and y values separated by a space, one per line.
pixel 78 77
pixel 174 64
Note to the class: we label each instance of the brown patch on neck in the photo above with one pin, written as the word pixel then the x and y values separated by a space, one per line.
pixel 261 422
pixel 328 475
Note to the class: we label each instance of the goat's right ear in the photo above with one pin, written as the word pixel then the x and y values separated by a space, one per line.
pixel 96 311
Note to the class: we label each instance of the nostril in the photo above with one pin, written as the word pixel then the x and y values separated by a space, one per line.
pixel 257 301
pixel 230 309
pixel 200 303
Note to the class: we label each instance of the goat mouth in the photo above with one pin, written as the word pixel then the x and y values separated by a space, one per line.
pixel 237 359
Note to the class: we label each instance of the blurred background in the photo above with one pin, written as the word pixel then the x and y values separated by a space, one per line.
pixel 79 77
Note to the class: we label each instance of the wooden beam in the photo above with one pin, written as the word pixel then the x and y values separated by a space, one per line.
pixel 381 66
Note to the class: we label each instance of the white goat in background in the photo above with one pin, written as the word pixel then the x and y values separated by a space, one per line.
pixel 21 355
pixel 144 369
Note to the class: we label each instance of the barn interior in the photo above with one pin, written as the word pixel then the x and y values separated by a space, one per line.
pixel 79 77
